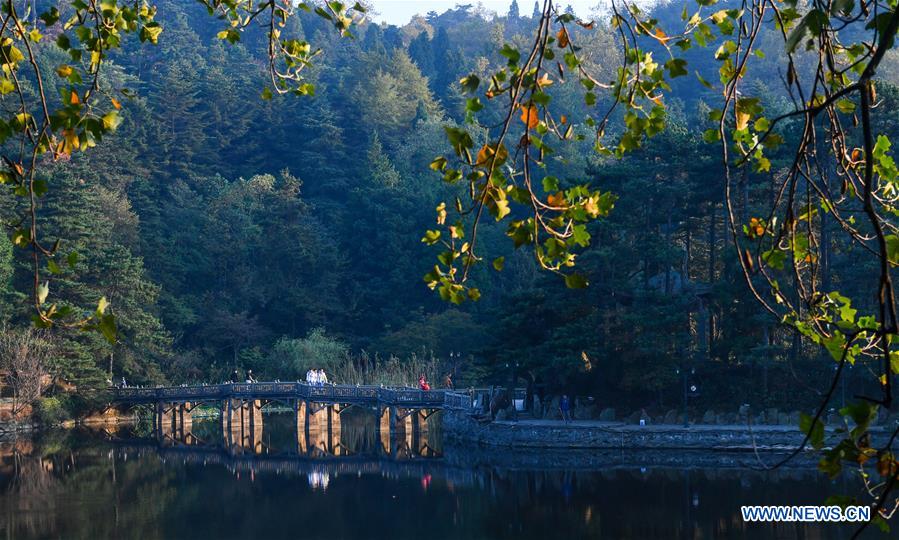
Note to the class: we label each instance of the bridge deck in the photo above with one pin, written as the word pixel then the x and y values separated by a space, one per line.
pixel 343 394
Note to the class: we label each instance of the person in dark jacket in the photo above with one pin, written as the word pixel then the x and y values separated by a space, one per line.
pixel 565 408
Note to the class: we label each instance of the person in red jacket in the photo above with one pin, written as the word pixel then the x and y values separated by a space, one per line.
pixel 423 383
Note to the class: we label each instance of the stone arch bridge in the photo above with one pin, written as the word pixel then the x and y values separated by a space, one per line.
pixel 402 412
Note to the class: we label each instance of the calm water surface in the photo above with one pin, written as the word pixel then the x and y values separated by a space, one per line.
pixel 354 484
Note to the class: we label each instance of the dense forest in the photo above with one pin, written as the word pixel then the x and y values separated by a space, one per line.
pixel 231 231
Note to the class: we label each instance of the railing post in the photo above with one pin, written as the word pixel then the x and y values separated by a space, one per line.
pixel 296 424
pixel 416 431
pixel 330 444
pixel 158 420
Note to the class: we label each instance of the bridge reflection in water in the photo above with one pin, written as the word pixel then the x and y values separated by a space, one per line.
pixel 314 430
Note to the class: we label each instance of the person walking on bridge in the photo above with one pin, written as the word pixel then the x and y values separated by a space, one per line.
pixel 235 377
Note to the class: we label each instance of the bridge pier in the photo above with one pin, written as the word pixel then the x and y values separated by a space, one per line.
pixel 242 424
pixel 173 421
pixel 321 427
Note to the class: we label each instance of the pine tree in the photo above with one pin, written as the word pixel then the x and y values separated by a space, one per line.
pixel 75 211
pixel 513 11
pixel 381 169
pixel 422 54
pixel 6 274
pixel 537 11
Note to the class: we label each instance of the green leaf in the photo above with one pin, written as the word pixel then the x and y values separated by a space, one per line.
pixel 473 105
pixel 21 238
pixel 711 135
pixel 231 35
pixel 499 263
pixel 63 42
pixel 431 237
pixel 846 106
pixel 892 242
pixel 107 327
pixel 814 431
pixel 550 184
pixel 511 53
pixel 575 281
pixel 862 413
pixel 53 267
pixel 50 17
pixel 470 83
pixel 677 67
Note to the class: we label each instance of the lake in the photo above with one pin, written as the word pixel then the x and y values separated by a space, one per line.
pixel 352 484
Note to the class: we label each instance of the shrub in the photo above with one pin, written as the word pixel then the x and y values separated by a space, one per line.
pixel 292 358
pixel 50 411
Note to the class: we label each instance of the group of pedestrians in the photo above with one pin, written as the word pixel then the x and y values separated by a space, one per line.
pixel 235 376
pixel 316 377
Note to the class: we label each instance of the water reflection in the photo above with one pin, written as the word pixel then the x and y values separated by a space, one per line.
pixel 352 485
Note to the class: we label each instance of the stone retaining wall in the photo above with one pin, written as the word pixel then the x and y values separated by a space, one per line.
pixel 460 426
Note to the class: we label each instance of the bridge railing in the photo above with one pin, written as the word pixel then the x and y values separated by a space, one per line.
pixel 400 396
pixel 274 390
pixel 458 401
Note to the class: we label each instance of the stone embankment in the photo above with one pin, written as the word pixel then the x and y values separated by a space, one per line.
pixel 461 426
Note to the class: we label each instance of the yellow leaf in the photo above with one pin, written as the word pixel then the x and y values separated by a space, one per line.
pixel 592 207
pixel 73 98
pixel 64 70
pixel 530 116
pixel 72 141
pixel 544 81
pixel 742 119
pixel 486 153
pixel 115 103
pixel 562 36
pixel 556 199
pixel 483 155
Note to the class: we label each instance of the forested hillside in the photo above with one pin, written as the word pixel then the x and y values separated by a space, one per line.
pixel 228 230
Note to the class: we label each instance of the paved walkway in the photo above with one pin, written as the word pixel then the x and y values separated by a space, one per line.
pixel 670 428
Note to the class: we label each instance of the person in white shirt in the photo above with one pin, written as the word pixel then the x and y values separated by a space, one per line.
pixel 309 376
pixel 322 377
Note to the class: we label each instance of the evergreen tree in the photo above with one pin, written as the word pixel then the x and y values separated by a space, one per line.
pixel 381 169
pixel 513 11
pixel 422 54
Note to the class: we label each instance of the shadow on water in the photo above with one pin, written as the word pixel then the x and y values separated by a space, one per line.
pixel 352 483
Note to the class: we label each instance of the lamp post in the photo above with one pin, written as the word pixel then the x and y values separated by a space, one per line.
pixel 454 360
pixel 843 377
